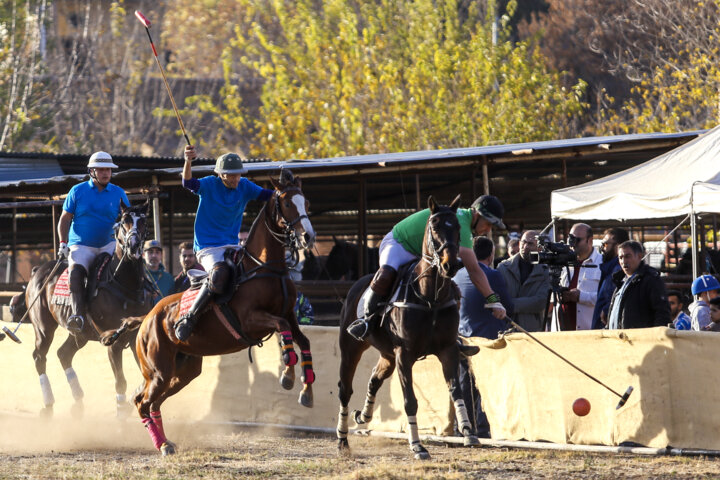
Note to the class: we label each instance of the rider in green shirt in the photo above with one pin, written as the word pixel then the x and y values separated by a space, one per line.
pixel 404 244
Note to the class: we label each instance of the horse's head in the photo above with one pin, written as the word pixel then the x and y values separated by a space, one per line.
pixel 131 229
pixel 442 237
pixel 291 208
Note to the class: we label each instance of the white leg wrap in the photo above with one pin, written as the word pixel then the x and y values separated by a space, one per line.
pixel 342 425
pixel 48 397
pixel 413 435
pixel 461 415
pixel 367 411
pixel 77 391
pixel 120 398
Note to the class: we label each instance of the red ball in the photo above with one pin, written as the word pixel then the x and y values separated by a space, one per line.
pixel 581 407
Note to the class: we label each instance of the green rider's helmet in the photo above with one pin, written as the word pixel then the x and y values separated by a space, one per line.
pixel 229 163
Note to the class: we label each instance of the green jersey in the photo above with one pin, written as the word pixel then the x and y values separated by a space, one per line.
pixel 410 231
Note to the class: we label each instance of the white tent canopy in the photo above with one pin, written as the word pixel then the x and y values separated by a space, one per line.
pixel 681 181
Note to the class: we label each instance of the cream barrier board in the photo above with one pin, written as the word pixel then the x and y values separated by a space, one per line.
pixel 527 392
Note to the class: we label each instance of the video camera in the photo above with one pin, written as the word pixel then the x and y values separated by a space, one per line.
pixel 553 254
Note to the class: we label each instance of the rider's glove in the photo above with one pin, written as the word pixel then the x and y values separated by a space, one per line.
pixel 63 251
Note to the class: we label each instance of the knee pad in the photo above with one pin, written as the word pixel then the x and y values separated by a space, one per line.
pixel 383 280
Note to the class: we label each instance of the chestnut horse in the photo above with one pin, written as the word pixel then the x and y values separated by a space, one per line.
pixel 118 296
pixel 262 303
pixel 423 320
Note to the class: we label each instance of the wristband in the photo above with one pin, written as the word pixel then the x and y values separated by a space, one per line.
pixel 493 298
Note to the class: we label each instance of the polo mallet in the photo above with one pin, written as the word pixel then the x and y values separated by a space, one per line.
pixel 146 23
pixel 623 398
pixel 11 333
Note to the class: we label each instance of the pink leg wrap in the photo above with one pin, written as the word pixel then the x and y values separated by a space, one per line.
pixel 155 433
pixel 306 365
pixel 157 418
pixel 288 353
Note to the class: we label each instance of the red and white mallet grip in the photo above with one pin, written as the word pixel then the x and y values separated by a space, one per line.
pixel 142 18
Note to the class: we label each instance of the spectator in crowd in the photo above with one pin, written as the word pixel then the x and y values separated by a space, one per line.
pixel 612 238
pixel 513 247
pixel 714 325
pixel 303 310
pixel 640 299
pixel 681 320
pixel 160 280
pixel 580 283
pixel 705 287
pixel 528 284
pixel 478 321
pixel 188 261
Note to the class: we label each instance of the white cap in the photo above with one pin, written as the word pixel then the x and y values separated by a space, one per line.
pixel 101 160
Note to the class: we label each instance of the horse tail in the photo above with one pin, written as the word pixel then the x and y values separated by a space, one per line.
pixel 109 337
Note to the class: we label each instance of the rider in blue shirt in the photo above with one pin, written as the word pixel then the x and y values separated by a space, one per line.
pixel 85 229
pixel 217 224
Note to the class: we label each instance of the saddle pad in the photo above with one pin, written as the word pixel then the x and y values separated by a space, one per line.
pixel 361 303
pixel 62 287
pixel 61 292
pixel 187 300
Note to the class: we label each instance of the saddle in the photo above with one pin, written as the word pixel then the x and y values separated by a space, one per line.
pixel 402 281
pixel 99 272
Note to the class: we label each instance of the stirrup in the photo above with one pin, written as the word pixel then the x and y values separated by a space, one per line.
pixel 359 329
pixel 75 324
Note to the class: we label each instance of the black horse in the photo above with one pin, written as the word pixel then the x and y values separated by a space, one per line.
pixel 342 263
pixel 424 322
pixel 116 292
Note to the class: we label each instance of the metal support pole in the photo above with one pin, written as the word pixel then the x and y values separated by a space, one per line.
pixel 54 228
pixel 156 212
pixel 486 178
pixel 171 239
pixel 694 245
pixel 13 264
pixel 417 192
pixel 362 229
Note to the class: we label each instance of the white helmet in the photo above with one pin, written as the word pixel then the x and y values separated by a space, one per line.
pixel 101 160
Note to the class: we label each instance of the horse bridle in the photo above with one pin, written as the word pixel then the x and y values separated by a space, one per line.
pixel 124 235
pixel 288 237
pixel 434 258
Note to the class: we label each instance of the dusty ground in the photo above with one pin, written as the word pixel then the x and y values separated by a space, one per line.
pixel 33 449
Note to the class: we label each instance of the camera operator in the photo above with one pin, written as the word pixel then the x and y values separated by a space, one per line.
pixel 580 282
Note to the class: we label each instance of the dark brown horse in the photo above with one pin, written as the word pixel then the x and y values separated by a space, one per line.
pixel 117 295
pixel 262 303
pixel 422 321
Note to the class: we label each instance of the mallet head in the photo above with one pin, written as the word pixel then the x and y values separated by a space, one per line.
pixel 624 398
pixel 12 335
pixel 143 19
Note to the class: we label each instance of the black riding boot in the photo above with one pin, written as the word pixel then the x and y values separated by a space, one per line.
pixel 215 284
pixel 76 322
pixel 184 327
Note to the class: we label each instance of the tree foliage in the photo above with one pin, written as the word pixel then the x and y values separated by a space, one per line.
pixel 343 77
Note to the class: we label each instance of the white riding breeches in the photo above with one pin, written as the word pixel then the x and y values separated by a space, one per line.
pixel 393 253
pixel 83 255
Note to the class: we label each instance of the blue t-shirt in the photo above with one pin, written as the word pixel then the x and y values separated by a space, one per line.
pixel 220 211
pixel 94 213
pixel 475 319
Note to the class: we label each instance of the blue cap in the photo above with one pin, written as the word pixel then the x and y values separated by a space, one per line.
pixel 704 283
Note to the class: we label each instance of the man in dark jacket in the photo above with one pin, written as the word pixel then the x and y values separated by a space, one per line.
pixel 640 299
pixel 612 239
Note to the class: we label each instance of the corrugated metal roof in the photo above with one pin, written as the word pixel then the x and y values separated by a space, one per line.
pixel 171 166
pixel 19 168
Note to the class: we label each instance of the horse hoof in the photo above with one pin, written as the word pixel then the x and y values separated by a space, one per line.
pixel 306 399
pixel 123 411
pixel 471 441
pixel 167 448
pixel 343 446
pixel 77 410
pixel 357 416
pixel 420 452
pixel 287 382
pixel 46 412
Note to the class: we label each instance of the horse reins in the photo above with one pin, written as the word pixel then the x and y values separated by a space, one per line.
pixel 433 260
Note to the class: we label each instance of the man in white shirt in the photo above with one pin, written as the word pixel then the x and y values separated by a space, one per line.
pixel 580 281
